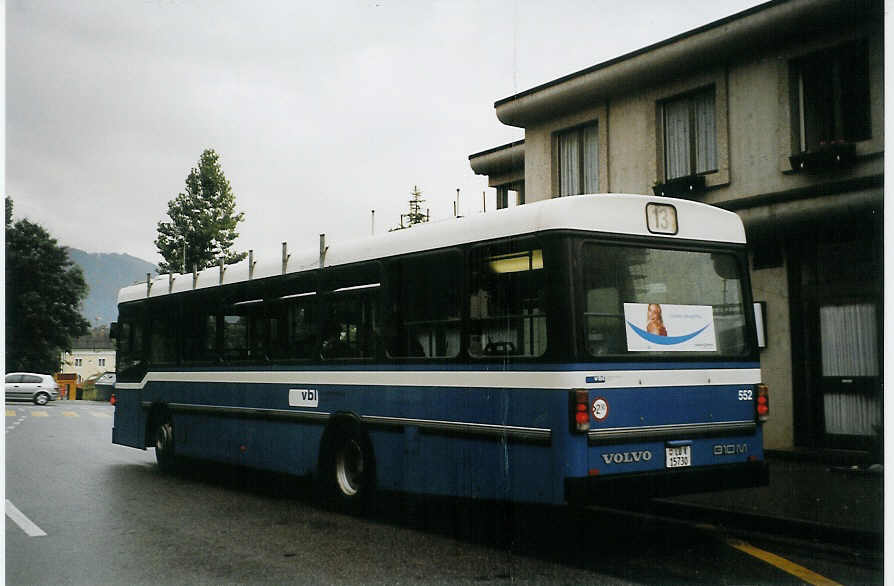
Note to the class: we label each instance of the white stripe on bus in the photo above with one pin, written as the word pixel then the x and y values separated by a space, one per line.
pixel 564 380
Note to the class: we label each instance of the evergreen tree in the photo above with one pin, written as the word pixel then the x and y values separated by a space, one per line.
pixel 44 290
pixel 203 219
pixel 415 215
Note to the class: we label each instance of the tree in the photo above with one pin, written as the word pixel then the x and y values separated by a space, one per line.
pixel 415 215
pixel 44 290
pixel 202 220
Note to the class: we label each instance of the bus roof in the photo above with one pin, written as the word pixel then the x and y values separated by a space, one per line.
pixel 604 213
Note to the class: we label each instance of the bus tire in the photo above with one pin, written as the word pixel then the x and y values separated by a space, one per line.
pixel 348 468
pixel 165 453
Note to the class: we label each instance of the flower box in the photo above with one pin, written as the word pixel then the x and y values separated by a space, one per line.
pixel 681 186
pixel 835 155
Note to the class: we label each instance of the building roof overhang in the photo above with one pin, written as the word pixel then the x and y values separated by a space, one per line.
pixel 502 159
pixel 765 25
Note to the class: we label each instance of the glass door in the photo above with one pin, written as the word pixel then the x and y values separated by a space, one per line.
pixel 849 373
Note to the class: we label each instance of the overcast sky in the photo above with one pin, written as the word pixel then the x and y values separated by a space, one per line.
pixel 320 111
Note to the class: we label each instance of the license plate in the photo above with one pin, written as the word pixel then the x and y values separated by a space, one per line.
pixel 678 456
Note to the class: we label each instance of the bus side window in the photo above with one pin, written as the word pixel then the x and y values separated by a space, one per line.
pixel 163 336
pixel 245 328
pixel 125 356
pixel 235 336
pixel 123 342
pixel 292 329
pixel 210 339
pixel 350 325
pixel 423 303
pixel 301 329
pixel 293 323
pixel 200 329
pixel 507 290
pixel 130 340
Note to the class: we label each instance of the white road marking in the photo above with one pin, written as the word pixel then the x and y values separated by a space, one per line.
pixel 19 518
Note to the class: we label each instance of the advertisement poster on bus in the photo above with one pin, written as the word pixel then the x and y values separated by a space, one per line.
pixel 667 328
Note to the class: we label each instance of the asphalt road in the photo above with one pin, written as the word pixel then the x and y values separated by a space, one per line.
pixel 104 514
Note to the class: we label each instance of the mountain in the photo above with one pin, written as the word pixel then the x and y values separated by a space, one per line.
pixel 105 273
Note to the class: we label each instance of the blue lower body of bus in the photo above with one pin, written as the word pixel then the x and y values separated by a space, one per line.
pixel 501 435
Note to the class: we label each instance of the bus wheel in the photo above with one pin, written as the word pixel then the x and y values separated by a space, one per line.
pixel 164 445
pixel 349 469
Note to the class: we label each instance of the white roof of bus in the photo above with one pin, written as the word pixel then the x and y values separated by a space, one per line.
pixel 607 213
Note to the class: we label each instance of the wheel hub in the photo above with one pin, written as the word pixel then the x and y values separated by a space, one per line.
pixel 349 467
pixel 163 438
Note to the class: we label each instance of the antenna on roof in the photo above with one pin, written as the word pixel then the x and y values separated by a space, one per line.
pixel 372 229
pixel 195 275
pixel 323 249
pixel 285 257
pixel 223 269
pixel 251 264
pixel 148 283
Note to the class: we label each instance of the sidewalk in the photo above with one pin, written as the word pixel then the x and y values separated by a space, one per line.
pixel 805 498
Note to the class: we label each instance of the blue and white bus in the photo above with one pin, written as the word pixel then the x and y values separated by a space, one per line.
pixel 573 350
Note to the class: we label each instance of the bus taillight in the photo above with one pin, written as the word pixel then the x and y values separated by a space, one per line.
pixel 580 411
pixel 762 405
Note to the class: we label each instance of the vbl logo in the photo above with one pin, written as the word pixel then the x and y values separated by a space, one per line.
pixel 304 398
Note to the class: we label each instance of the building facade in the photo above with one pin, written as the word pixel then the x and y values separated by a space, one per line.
pixel 88 362
pixel 776 113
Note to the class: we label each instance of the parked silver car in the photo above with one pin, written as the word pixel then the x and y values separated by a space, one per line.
pixel 29 386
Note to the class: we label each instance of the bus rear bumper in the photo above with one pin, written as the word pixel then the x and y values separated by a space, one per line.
pixel 661 483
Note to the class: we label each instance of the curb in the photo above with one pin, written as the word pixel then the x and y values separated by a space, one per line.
pixel 780 526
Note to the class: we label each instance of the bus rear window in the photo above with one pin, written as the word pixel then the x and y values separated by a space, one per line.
pixel 639 300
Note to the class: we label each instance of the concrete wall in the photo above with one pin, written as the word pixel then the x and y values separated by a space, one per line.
pixel 771 286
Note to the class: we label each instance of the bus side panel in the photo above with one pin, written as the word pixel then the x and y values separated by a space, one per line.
pixel 130 420
pixel 408 458
pixel 277 445
pixel 416 459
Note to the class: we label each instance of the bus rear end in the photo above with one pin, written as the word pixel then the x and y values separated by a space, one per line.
pixel 670 398
pixel 702 438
